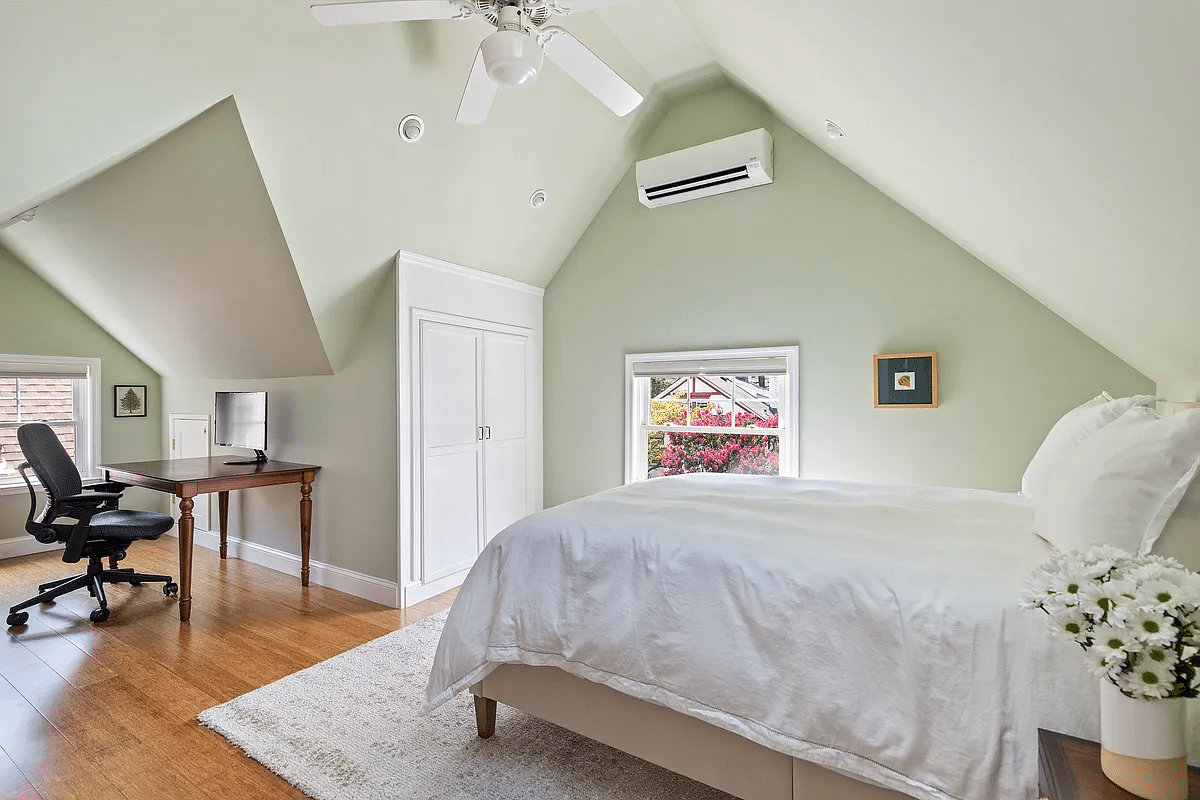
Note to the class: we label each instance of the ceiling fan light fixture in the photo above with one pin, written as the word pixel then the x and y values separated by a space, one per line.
pixel 512 58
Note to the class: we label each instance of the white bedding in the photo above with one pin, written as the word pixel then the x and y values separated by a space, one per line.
pixel 869 628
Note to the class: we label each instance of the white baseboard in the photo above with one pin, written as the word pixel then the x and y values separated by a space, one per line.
pixel 24 546
pixel 367 587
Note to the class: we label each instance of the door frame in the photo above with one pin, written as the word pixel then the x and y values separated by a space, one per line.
pixel 171 420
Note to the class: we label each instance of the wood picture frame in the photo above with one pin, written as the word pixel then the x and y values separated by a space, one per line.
pixel 906 380
pixel 129 400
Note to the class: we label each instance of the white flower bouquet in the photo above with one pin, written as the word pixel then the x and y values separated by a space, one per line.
pixel 1137 618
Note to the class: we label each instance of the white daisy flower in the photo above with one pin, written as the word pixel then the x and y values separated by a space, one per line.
pixel 1103 665
pixel 1163 656
pixel 1036 587
pixel 1070 623
pixel 1115 640
pixel 1152 678
pixel 1152 627
pixel 1099 561
pixel 1109 601
pixel 1066 586
pixel 1162 593
pixel 1146 572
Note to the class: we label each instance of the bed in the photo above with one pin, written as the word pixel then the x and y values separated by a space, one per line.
pixel 777 637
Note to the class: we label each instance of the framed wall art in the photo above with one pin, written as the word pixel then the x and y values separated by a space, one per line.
pixel 906 380
pixel 129 401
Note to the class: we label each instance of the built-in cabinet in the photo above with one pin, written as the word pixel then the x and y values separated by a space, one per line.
pixel 470 417
pixel 473 440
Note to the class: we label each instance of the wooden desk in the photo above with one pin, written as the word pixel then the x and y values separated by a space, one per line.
pixel 1069 769
pixel 187 477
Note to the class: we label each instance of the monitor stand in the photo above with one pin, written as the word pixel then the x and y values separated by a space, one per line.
pixel 259 458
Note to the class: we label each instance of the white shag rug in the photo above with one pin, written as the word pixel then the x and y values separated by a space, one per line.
pixel 349 728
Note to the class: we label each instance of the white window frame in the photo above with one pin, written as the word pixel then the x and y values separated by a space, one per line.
pixel 637 404
pixel 86 400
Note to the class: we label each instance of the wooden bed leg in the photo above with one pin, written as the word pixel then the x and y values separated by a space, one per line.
pixel 485 716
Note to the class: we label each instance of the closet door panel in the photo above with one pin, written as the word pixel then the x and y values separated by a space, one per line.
pixel 451 513
pixel 449 385
pixel 504 385
pixel 506 496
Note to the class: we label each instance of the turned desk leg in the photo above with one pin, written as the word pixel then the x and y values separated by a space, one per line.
pixel 485 716
pixel 187 527
pixel 223 516
pixel 305 528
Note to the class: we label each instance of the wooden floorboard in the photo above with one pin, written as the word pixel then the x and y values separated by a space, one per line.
pixel 108 711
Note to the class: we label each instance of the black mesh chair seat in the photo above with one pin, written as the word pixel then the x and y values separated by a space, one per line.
pixel 129 525
pixel 86 520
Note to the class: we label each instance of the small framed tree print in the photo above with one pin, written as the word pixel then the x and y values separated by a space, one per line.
pixel 129 401
pixel 906 380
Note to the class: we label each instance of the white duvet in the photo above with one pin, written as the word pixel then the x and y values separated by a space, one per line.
pixel 869 628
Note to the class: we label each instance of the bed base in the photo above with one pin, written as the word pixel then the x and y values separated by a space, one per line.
pixel 662 736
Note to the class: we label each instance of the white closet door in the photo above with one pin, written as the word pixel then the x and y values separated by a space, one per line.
pixel 506 438
pixel 452 463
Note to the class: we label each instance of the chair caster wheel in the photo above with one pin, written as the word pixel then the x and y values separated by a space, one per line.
pixel 99 615
pixel 171 589
pixel 19 618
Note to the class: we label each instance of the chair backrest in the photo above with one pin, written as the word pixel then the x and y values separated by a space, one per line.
pixel 49 460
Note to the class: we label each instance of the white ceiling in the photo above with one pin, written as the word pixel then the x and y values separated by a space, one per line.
pixel 1055 141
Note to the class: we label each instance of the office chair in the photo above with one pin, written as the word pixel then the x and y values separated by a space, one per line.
pixel 98 530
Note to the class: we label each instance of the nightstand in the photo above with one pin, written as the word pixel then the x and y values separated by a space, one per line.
pixel 1069 769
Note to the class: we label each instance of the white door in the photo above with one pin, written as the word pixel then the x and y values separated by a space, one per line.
pixel 505 435
pixel 451 448
pixel 189 439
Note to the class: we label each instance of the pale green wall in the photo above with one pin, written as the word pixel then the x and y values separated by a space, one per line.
pixel 824 260
pixel 37 320
pixel 345 422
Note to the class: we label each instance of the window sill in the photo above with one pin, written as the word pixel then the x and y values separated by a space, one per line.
pixel 20 488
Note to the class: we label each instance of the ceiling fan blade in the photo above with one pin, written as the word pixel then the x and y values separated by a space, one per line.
pixel 387 11
pixel 478 96
pixel 593 74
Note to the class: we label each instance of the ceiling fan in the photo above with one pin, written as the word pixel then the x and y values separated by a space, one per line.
pixel 512 56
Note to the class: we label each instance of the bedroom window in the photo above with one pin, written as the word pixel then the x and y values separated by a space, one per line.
pixel 63 393
pixel 730 411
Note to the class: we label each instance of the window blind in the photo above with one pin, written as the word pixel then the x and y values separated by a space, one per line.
pixel 711 366
pixel 43 369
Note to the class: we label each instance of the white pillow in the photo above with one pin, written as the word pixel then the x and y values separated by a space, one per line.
pixel 1120 485
pixel 1075 426
pixel 1180 539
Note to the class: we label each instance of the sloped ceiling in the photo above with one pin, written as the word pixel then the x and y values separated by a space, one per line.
pixel 90 82
pixel 1053 141
pixel 176 251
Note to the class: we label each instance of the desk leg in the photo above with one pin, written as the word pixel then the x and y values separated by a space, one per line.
pixel 305 528
pixel 223 514
pixel 187 527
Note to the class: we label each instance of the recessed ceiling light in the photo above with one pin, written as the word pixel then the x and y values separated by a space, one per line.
pixel 537 199
pixel 833 130
pixel 411 128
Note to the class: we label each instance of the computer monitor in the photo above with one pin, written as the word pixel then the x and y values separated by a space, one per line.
pixel 241 421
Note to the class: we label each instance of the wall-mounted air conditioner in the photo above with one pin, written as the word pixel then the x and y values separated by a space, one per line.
pixel 725 165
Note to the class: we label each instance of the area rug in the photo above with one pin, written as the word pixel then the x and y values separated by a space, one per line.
pixel 349 728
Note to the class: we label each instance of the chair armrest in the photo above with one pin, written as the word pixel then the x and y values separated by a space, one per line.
pixel 108 486
pixel 89 499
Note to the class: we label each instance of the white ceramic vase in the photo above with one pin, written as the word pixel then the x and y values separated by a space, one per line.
pixel 1143 744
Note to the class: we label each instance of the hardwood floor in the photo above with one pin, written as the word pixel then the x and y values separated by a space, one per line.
pixel 108 711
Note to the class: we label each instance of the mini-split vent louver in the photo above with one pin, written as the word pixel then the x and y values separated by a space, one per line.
pixel 725 165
